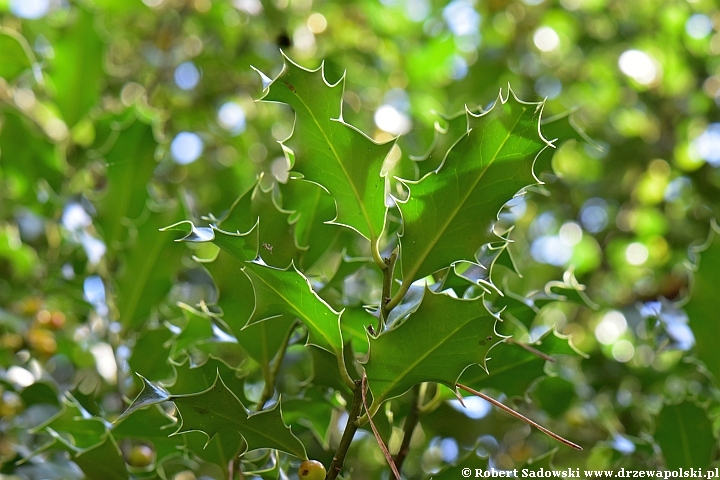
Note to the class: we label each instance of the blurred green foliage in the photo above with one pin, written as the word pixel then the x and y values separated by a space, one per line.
pixel 118 118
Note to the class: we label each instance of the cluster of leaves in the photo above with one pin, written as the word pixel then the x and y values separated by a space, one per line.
pixel 382 255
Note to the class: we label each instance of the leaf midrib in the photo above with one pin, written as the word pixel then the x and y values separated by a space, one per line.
pixel 430 245
pixel 361 204
pixel 422 358
pixel 299 311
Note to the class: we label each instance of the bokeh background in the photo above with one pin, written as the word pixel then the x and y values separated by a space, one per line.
pixel 85 85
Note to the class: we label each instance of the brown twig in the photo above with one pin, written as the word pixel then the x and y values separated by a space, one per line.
pixel 384 449
pixel 532 350
pixel 350 428
pixel 521 417
pixel 411 422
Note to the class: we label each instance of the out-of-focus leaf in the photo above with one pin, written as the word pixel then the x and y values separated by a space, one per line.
pixel 150 356
pixel 280 292
pixel 130 165
pixel 74 424
pixel 554 395
pixel 450 214
pixel 435 344
pixel 13 57
pixel 685 435
pixel 702 306
pixel 148 270
pixel 470 460
pixel 543 462
pixel 78 67
pixel 152 425
pixel 26 158
pixel 103 461
pixel 330 152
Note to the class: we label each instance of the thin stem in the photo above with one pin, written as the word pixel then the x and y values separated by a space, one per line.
pixel 380 442
pixel 399 295
pixel 387 288
pixel 352 384
pixel 532 350
pixel 433 403
pixel 411 422
pixel 350 428
pixel 521 417
pixel 375 249
pixel 270 374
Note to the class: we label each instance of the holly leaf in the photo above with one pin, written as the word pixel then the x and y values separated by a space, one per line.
pixel 702 306
pixel 241 245
pixel 283 292
pixel 447 131
pixel 685 435
pixel 75 425
pixel 276 236
pixel 450 212
pixel 217 411
pixel 151 394
pixel 103 461
pixel 312 209
pixel 191 378
pixel 330 152
pixel 151 425
pixel 260 340
pixel 435 344
pixel 512 369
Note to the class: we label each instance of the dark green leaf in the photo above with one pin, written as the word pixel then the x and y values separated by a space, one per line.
pixel 685 435
pixel 216 411
pixel 281 292
pixel 702 306
pixel 440 340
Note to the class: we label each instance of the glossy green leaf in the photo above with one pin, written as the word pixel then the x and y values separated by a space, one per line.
pixel 103 461
pixel 685 435
pixel 330 152
pixel 702 306
pixel 312 209
pixel 450 213
pixel 276 236
pixel 260 340
pixel 512 369
pixel 435 344
pixel 216 411
pixel 280 292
